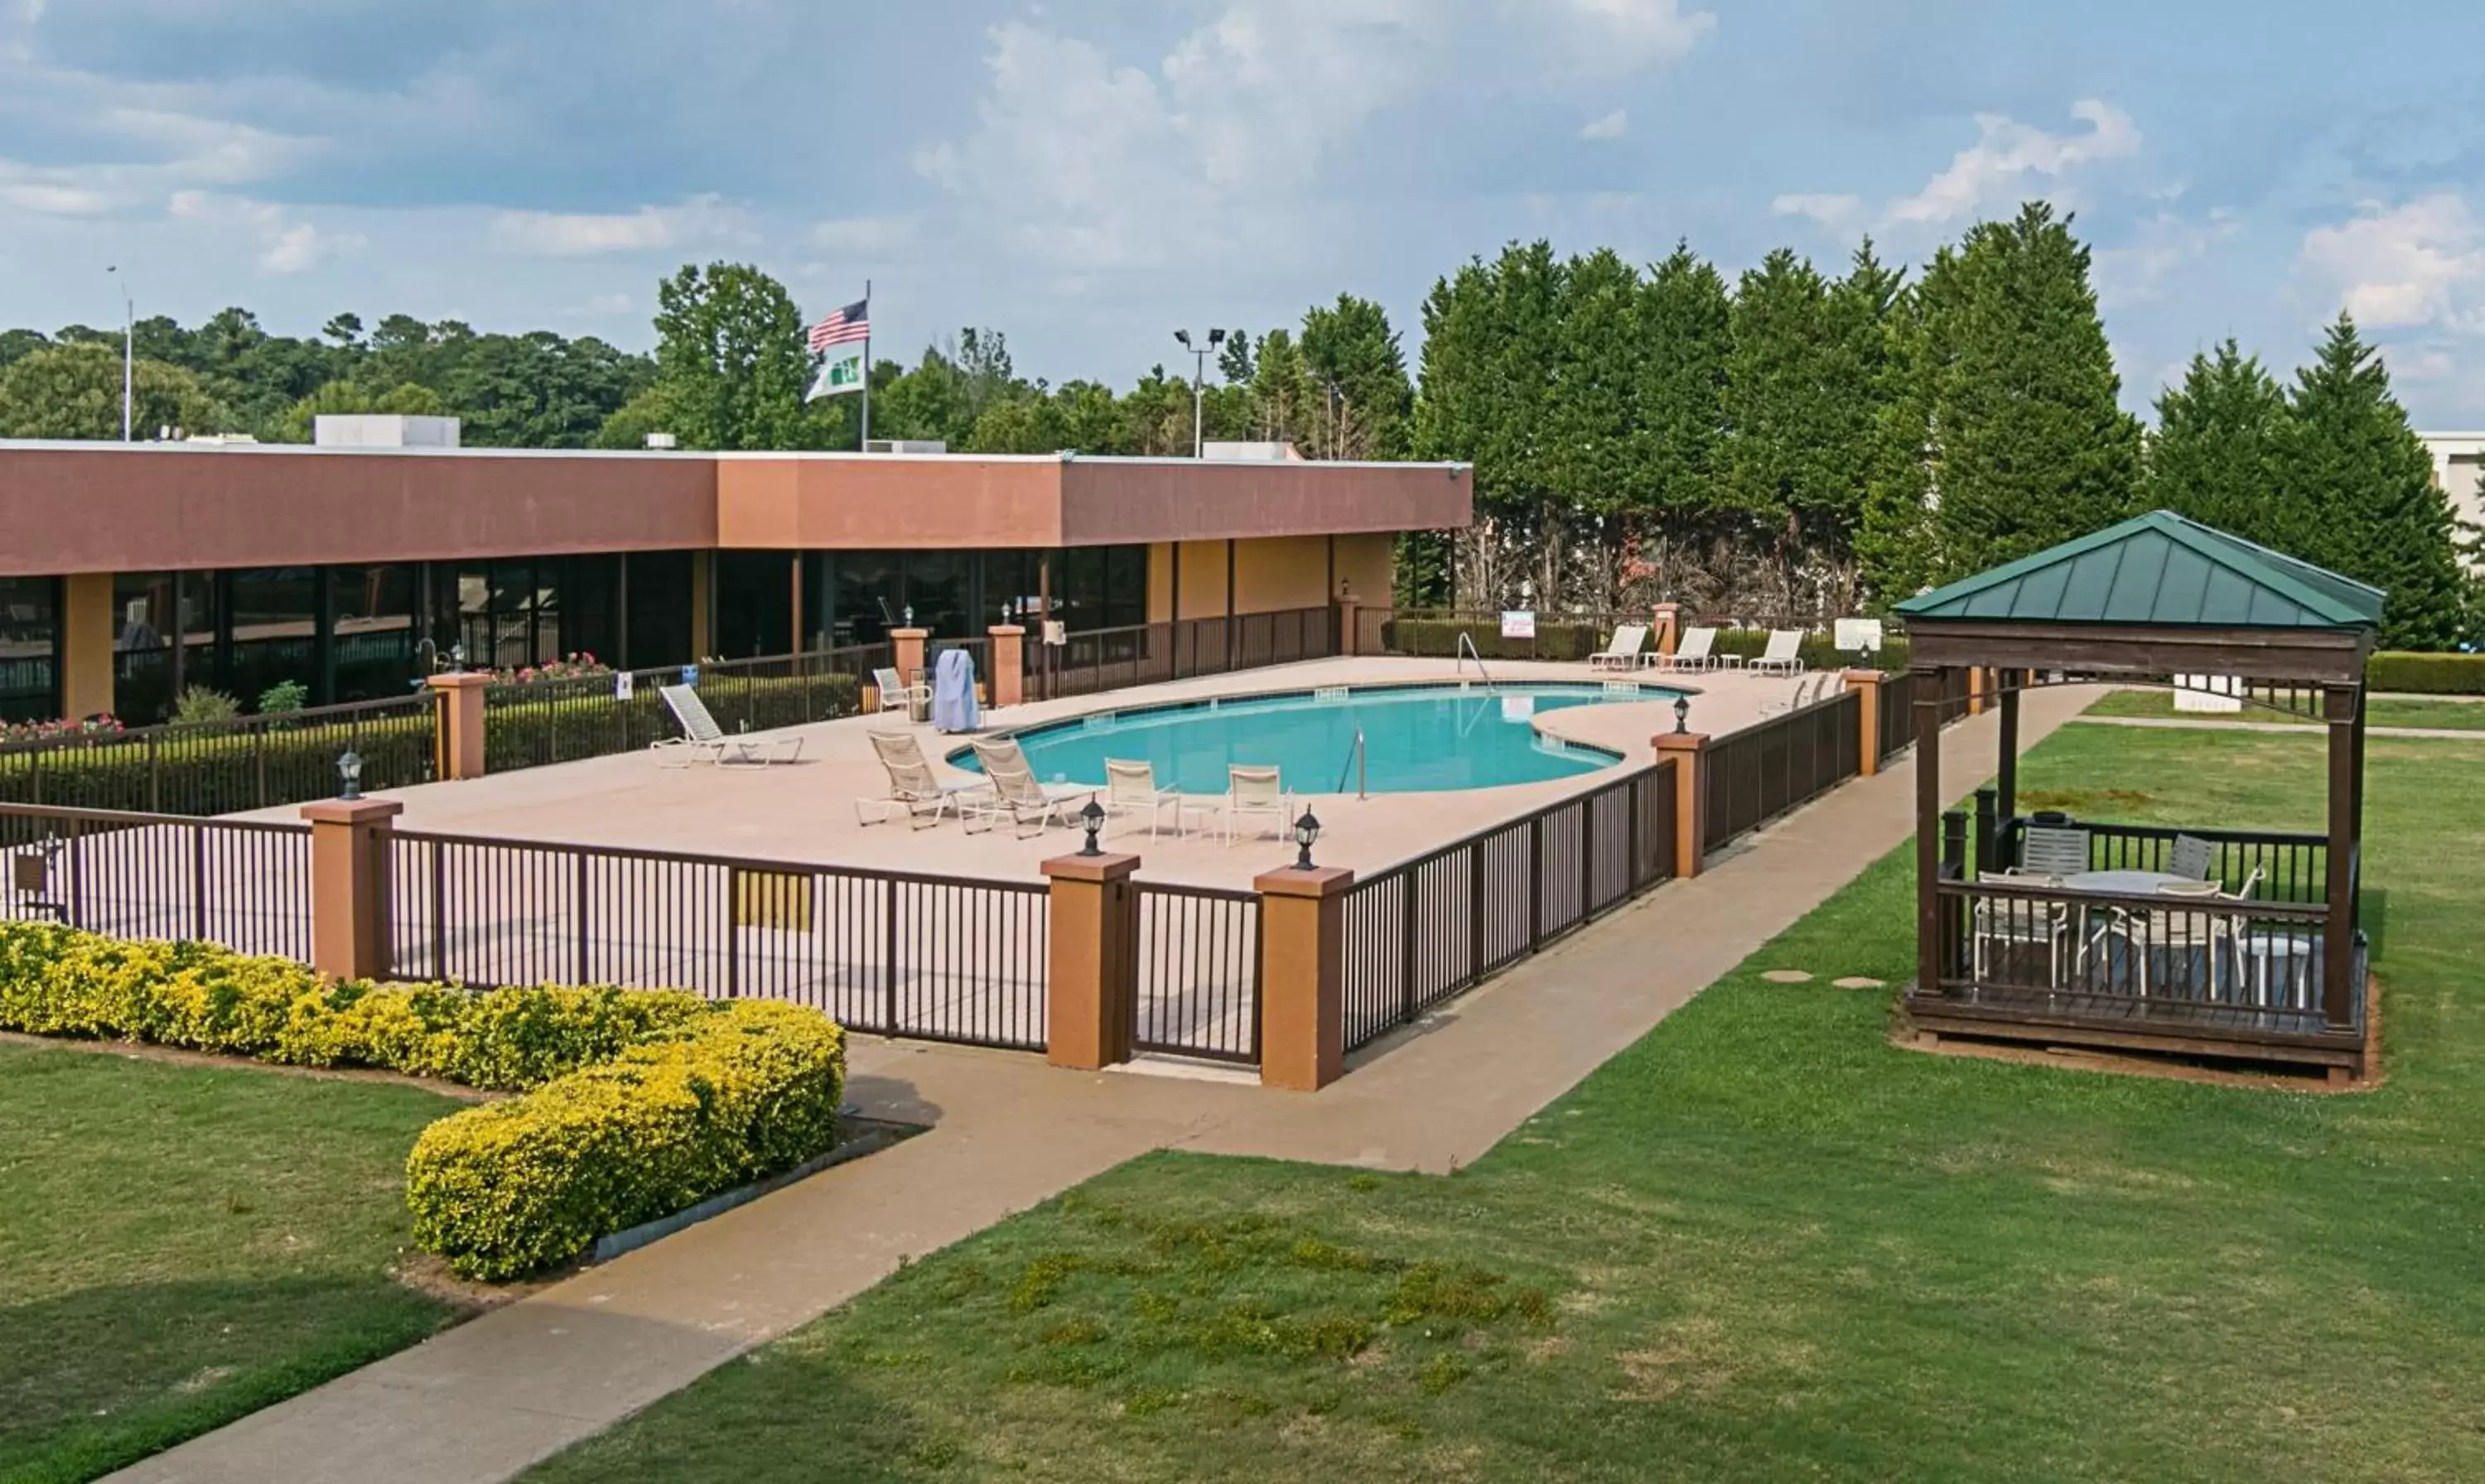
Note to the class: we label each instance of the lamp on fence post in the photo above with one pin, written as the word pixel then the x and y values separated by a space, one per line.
pixel 1092 819
pixel 1306 830
pixel 1682 715
pixel 350 774
pixel 456 657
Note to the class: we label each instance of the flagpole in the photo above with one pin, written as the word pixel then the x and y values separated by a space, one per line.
pixel 867 367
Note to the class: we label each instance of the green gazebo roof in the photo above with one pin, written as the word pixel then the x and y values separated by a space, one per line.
pixel 2159 570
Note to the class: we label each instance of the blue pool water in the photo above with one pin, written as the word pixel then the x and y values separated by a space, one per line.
pixel 1417 740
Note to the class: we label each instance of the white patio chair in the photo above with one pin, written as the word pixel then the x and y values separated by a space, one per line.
pixel 2191 858
pixel 2007 922
pixel 914 790
pixel 1131 788
pixel 1781 656
pixel 2251 883
pixel 895 694
pixel 1014 792
pixel 702 738
pixel 1255 792
pixel 1623 651
pixel 2181 933
pixel 1694 654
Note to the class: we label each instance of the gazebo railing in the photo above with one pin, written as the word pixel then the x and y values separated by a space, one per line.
pixel 2212 963
pixel 2293 866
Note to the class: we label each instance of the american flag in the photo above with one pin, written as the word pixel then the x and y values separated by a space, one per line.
pixel 844 327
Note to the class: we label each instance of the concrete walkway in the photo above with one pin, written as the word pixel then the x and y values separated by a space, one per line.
pixel 2301 729
pixel 483 1401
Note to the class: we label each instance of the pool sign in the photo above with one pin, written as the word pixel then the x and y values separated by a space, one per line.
pixel 624 687
pixel 1518 624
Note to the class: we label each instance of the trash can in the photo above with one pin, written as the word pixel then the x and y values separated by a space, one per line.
pixel 918 699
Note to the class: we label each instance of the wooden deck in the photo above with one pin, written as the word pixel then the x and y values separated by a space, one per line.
pixel 2117 1022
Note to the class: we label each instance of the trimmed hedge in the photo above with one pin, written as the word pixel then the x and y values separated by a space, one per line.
pixel 508 1188
pixel 762 1080
pixel 2418 674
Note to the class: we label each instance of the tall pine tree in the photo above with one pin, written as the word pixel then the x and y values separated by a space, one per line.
pixel 1685 337
pixel 2217 455
pixel 2364 486
pixel 1781 464
pixel 2033 447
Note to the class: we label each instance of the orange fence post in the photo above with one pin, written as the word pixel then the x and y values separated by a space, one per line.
pixel 459 696
pixel 349 885
pixel 909 644
pixel 1350 625
pixel 1669 622
pixel 1302 977
pixel 1866 685
pixel 1689 752
pixel 1092 988
pixel 1009 664
pixel 1975 690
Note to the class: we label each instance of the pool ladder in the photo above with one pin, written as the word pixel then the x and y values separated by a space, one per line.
pixel 1355 764
pixel 1467 651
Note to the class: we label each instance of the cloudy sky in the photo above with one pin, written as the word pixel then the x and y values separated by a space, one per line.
pixel 1087 174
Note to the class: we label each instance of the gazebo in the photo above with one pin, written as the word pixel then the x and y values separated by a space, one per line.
pixel 2122 936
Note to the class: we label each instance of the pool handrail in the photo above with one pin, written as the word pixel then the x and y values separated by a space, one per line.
pixel 1467 648
pixel 1354 761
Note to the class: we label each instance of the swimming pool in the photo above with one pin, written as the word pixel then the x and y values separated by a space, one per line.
pixel 1418 739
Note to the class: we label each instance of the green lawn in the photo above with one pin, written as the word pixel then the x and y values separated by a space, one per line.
pixel 1761 1244
pixel 2453 715
pixel 180 1244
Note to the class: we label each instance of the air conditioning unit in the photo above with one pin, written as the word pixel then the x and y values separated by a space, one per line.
pixel 906 446
pixel 663 441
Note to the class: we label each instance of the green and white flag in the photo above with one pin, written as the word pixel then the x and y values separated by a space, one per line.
pixel 844 339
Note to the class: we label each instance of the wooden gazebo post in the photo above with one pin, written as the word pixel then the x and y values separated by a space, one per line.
pixel 2341 707
pixel 1926 690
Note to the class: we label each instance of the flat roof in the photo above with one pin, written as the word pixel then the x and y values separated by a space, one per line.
pixel 69 507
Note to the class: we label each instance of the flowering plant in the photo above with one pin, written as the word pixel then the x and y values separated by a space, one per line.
pixel 39 731
pixel 582 666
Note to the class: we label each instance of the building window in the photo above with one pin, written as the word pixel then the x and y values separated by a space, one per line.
pixel 659 631
pixel 754 604
pixel 30 610
pixel 371 617
pixel 144 629
pixel 274 630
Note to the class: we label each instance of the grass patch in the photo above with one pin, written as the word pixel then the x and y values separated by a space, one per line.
pixel 1761 1244
pixel 2450 716
pixel 182 1245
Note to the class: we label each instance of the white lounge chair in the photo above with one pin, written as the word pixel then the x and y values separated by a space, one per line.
pixel 914 790
pixel 1781 656
pixel 1697 651
pixel 895 694
pixel 701 737
pixel 1255 792
pixel 1131 788
pixel 1623 651
pixel 1014 792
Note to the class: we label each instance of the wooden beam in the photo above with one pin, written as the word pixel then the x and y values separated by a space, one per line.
pixel 2320 655
pixel 2006 775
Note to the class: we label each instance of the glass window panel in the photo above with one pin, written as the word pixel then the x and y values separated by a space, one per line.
pixel 871 588
pixel 275 631
pixel 660 610
pixel 29 663
pixel 372 616
pixel 754 604
pixel 143 626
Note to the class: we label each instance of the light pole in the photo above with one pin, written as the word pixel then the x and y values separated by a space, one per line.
pixel 128 338
pixel 1198 377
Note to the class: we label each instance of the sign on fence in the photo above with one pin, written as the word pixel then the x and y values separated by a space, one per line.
pixel 1858 635
pixel 1518 624
pixel 624 687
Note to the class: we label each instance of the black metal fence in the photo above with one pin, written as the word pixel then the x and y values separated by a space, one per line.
pixel 210 768
pixel 1423 932
pixel 241 883
pixel 1756 774
pixel 1147 654
pixel 1199 972
pixel 899 954
pixel 534 723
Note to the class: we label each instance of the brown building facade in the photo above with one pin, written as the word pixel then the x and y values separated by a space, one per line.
pixel 129 570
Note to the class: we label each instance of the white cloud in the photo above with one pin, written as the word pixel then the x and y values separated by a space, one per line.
pixel 283 245
pixel 1612 125
pixel 609 303
pixel 2164 244
pixel 864 237
pixel 1998 167
pixel 1837 212
pixel 2420 264
pixel 1626 35
pixel 587 234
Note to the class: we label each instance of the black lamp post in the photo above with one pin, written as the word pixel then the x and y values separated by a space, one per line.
pixel 1092 817
pixel 1306 830
pixel 1682 715
pixel 350 774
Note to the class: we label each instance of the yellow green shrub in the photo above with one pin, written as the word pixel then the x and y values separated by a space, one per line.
pixel 743 1090
pixel 643 1101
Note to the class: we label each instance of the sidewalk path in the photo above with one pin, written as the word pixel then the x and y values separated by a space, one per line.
pixel 2301 729
pixel 483 1401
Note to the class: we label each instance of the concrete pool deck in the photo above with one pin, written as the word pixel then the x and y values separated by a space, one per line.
pixel 805 810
